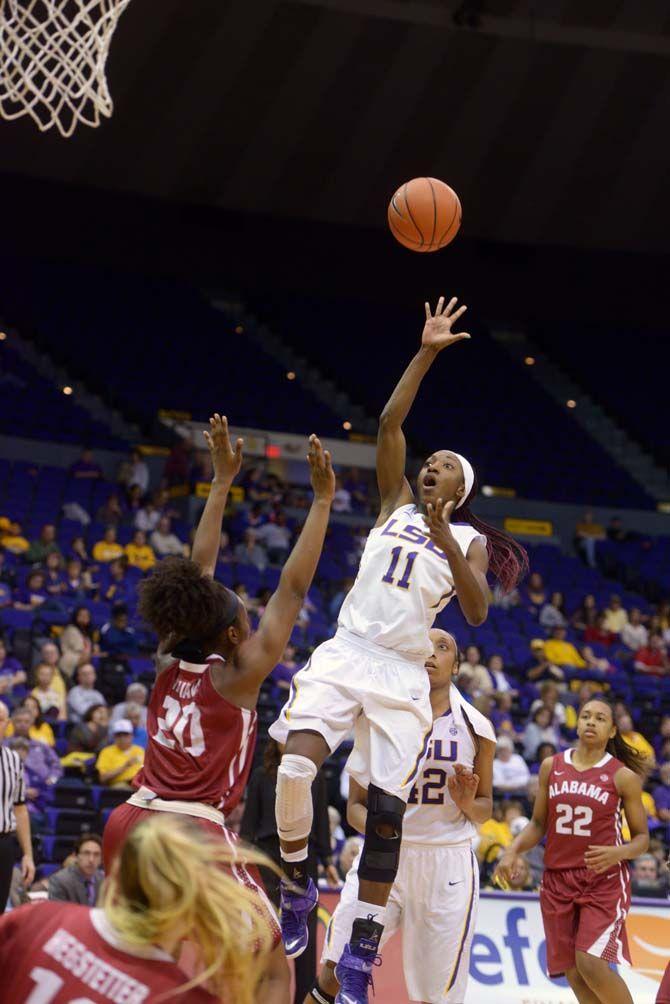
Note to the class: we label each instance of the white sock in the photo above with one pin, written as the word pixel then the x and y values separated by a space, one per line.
pixel 372 911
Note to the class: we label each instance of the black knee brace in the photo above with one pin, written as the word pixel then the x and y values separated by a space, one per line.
pixel 379 860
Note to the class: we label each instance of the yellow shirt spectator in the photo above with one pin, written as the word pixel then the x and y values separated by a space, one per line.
pixel 493 832
pixel 616 617
pixel 107 551
pixel 50 690
pixel 118 764
pixel 563 653
pixel 140 555
pixel 14 541
pixel 42 733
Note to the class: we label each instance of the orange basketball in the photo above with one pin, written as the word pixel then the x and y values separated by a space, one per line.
pixel 424 214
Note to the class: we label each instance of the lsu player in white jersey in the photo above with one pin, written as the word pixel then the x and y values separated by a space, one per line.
pixel 415 561
pixel 435 896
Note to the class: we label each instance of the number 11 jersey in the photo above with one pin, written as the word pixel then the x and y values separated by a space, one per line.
pixel 583 808
pixel 200 745
pixel 403 582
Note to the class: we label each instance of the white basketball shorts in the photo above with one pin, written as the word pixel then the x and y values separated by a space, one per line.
pixel 434 903
pixel 348 677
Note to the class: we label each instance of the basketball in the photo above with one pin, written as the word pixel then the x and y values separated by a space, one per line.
pixel 424 214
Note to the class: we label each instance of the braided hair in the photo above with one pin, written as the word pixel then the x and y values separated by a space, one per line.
pixel 508 560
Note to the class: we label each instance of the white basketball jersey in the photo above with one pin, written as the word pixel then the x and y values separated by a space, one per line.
pixel 432 817
pixel 403 582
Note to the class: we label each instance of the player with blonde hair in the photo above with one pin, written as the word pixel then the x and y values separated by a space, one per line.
pixel 171 883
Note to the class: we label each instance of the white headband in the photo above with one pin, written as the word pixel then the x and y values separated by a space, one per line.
pixel 468 476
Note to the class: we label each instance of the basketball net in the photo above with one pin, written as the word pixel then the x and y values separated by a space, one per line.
pixel 53 55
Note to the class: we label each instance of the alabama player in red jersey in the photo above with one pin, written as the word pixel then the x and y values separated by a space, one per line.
pixel 171 882
pixel 585 893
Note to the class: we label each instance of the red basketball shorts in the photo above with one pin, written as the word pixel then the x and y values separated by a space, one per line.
pixel 664 989
pixel 585 912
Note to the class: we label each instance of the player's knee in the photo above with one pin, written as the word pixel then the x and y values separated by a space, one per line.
pixel 383 836
pixel 293 803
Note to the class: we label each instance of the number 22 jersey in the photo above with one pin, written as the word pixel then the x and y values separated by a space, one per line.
pixel 584 808
pixel 403 582
pixel 200 745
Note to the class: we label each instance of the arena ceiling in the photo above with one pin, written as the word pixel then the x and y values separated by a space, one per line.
pixel 552 124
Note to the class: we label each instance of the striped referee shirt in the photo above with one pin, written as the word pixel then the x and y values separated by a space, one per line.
pixel 12 788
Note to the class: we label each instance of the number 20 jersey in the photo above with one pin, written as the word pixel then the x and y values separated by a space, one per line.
pixel 200 745
pixel 403 582
pixel 583 808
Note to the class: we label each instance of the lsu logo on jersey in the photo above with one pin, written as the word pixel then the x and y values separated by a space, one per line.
pixel 442 750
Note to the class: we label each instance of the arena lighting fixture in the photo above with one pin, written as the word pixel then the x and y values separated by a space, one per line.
pixel 529 360
pixel 571 403
pixel 239 330
pixel 346 426
pixel 67 390
pixel 290 375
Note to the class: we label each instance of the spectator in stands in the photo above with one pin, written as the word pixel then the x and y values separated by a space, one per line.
pixel 652 658
pixel 249 551
pixel 50 654
pixel 501 716
pixel 495 834
pixel 350 851
pixel 634 738
pixel 50 696
pixel 45 545
pixel 539 668
pixel 646 880
pixel 111 512
pixel 242 593
pixel 108 548
pixel 86 466
pixel 139 472
pixel 78 642
pixel 550 698
pixel 78 551
pixel 10 667
pixel 39 730
pixel 91 735
pixel 34 593
pixel 41 759
pixel 120 588
pixel 285 670
pixel 536 593
pixel 543 751
pixel 599 633
pixel 12 538
pixel 55 582
pixel 164 541
pixel 116 637
pixel 135 717
pixel 81 882
pixel 139 553
pixel 84 695
pixel 7 573
pixel 615 530
pixel 118 763
pixel 662 736
pixel 225 555
pixel 586 613
pixel 662 796
pixel 587 533
pixel 540 729
pixel 147 518
pixel 552 614
pixel 510 771
pixel 275 537
pixel 634 634
pixel 561 652
pixel 136 693
pixel 341 498
pixel 472 673
pixel 615 615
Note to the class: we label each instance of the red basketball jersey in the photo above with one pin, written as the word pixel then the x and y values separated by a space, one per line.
pixel 200 745
pixel 58 953
pixel 584 808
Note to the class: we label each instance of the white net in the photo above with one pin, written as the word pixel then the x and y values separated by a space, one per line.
pixel 53 55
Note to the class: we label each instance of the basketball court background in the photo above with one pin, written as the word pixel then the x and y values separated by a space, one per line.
pixel 508 953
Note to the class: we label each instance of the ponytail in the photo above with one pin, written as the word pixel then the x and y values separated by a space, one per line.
pixel 172 878
pixel 629 756
pixel 508 560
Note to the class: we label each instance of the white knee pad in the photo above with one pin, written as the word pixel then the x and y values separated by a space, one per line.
pixel 293 805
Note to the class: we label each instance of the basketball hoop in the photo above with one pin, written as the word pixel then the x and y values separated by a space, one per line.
pixel 53 55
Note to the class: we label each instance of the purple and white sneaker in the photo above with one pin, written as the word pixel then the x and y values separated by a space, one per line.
pixel 354 970
pixel 295 907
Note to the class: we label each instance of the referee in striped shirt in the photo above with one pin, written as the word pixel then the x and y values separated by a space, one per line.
pixel 14 818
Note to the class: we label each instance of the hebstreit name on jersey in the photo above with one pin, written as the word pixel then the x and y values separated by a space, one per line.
pixel 97 974
pixel 593 791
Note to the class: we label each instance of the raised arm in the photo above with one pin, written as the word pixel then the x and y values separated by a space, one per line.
pixel 394 488
pixel 261 653
pixel 226 462
pixel 531 834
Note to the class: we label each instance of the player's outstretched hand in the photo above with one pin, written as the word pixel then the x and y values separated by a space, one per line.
pixel 599 859
pixel 437 333
pixel 226 461
pixel 507 869
pixel 321 471
pixel 438 518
